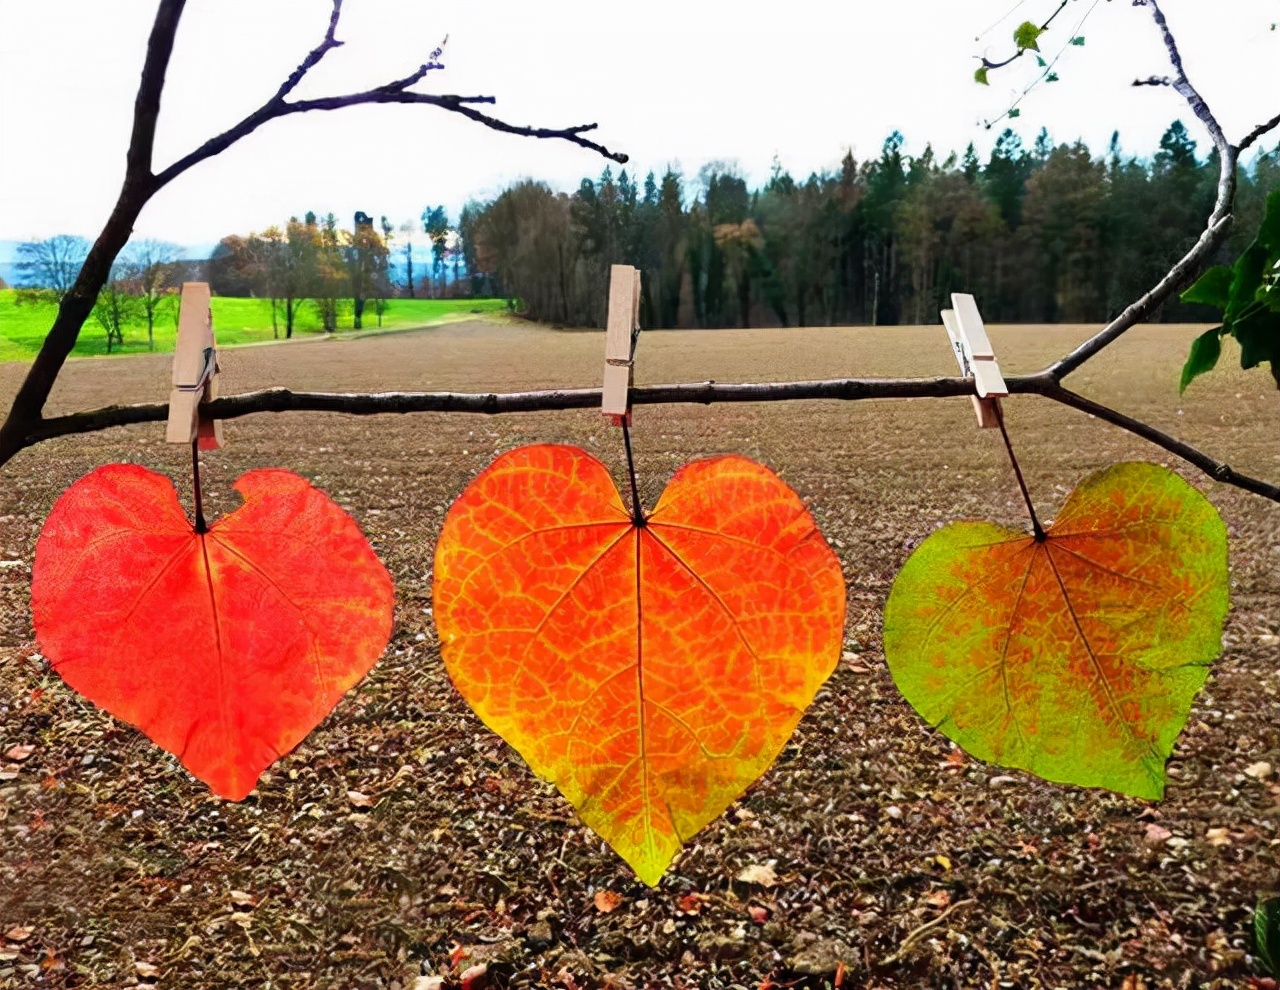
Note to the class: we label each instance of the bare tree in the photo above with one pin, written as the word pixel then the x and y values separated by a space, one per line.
pixel 151 270
pixel 52 264
pixel 142 181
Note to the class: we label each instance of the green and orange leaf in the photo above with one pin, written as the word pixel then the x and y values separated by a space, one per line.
pixel 225 647
pixel 1078 657
pixel 651 672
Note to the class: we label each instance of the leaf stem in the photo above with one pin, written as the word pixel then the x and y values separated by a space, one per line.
pixel 1036 528
pixel 637 514
pixel 201 525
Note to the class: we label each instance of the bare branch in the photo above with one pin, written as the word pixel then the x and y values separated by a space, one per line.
pixel 1190 265
pixel 140 184
pixel 314 56
pixel 395 91
pixel 1217 470
pixel 1154 81
pixel 1216 228
pixel 146 106
pixel 1258 132
pixel 1180 82
pixel 703 393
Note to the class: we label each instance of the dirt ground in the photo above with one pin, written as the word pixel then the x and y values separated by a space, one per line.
pixel 898 864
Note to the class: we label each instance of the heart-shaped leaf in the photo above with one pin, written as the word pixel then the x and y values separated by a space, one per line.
pixel 652 672
pixel 1077 657
pixel 226 647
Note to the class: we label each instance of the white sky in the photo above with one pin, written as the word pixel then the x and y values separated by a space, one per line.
pixel 684 82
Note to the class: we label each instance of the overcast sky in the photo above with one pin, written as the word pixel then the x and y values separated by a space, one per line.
pixel 669 82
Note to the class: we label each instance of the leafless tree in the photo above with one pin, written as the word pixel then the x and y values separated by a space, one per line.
pixel 150 266
pixel 142 180
pixel 52 264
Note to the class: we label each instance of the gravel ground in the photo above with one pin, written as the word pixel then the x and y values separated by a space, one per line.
pixel 895 860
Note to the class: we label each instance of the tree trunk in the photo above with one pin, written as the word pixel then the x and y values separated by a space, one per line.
pixel 74 309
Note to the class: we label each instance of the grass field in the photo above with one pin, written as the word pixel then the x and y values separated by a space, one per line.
pixel 112 856
pixel 235 321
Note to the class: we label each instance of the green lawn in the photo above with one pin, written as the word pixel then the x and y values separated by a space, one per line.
pixel 235 321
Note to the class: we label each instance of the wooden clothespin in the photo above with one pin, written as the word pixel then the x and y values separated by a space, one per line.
pixel 195 371
pixel 620 342
pixel 976 358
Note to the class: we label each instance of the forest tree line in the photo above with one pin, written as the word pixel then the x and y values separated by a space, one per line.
pixel 1046 234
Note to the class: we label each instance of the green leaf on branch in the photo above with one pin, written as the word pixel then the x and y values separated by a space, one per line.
pixel 1015 112
pixel 1259 337
pixel 1213 288
pixel 1205 351
pixel 1051 77
pixel 981 76
pixel 1078 41
pixel 1026 34
pixel 1248 293
pixel 1041 62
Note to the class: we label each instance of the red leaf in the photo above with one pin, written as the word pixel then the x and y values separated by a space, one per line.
pixel 227 647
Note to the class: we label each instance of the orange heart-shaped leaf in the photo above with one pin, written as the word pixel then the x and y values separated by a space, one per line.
pixel 226 647
pixel 652 671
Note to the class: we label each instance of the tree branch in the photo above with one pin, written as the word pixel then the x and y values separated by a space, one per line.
pixel 396 91
pixel 146 106
pixel 1216 228
pixel 703 393
pixel 1180 82
pixel 1181 274
pixel 1258 132
pixel 1217 470
pixel 314 56
pixel 988 64
pixel 140 184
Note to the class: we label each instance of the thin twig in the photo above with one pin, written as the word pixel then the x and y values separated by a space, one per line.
pixel 313 58
pixel 916 934
pixel 1180 81
pixel 1181 274
pixel 988 64
pixel 1217 470
pixel 1258 132
pixel 1216 228
pixel 699 393
pixel 1046 67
